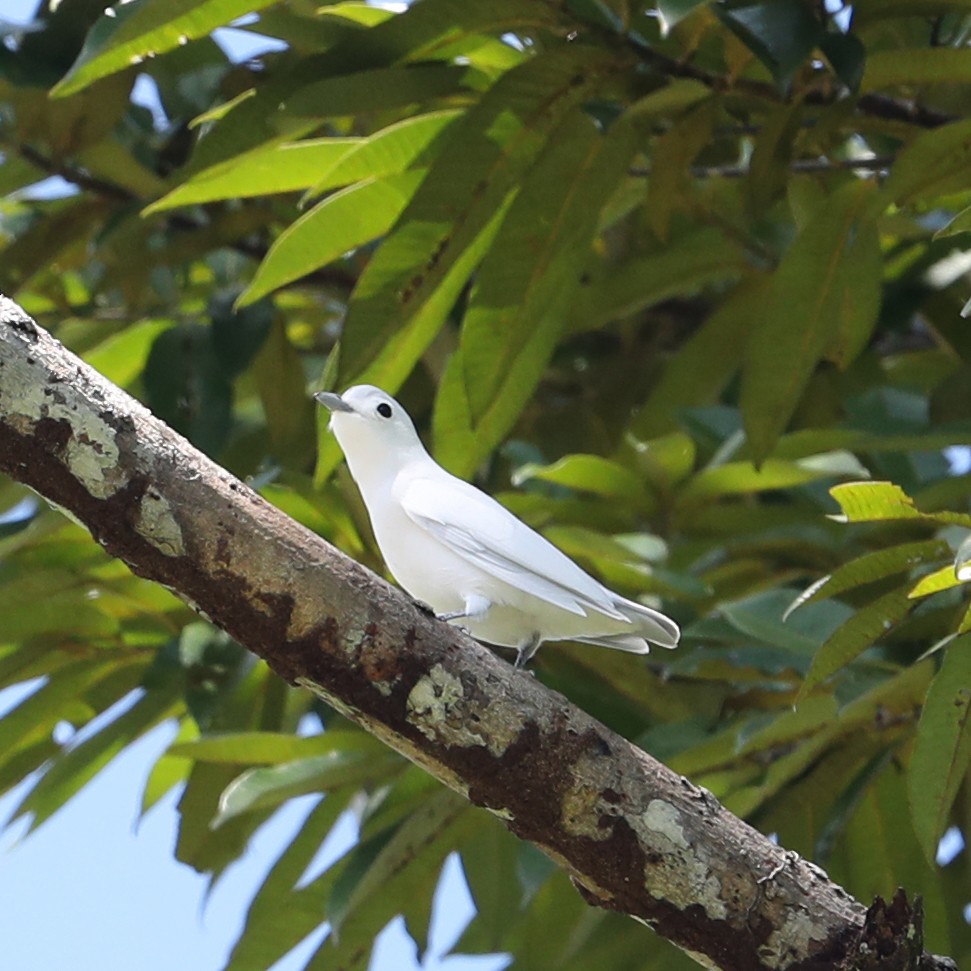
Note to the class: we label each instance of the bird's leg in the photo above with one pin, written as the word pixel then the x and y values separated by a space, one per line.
pixel 475 608
pixel 527 649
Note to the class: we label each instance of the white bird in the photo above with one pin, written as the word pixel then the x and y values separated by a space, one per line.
pixel 466 556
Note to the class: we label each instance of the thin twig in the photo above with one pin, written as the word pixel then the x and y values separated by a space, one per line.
pixel 876 163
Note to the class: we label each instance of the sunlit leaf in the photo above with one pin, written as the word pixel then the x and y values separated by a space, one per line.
pixel 477 168
pixel 390 150
pixel 127 33
pixel 279 168
pixel 341 223
pixel 943 579
pixel 872 501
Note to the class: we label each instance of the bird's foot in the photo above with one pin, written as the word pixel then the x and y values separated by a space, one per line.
pixel 452 615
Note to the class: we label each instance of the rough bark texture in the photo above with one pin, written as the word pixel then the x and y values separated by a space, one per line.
pixel 634 836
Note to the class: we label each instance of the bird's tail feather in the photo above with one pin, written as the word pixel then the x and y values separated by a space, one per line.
pixel 650 624
pixel 618 642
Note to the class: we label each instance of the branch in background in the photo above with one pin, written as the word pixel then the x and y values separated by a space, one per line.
pixel 875 105
pixel 332 278
pixel 635 837
pixel 878 163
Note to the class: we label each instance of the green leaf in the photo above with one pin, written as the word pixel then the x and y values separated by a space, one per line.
pixel 863 502
pixel 392 867
pixel 433 30
pixel 742 478
pixel 782 33
pixel 871 567
pixel 187 387
pixel 672 12
pixel 934 162
pixel 388 151
pixel 672 98
pixel 271 748
pixel 861 631
pixel 36 715
pixel 753 618
pixel 397 358
pixel 379 89
pixel 122 356
pixel 169 770
pixel 281 915
pixel 669 186
pixel 768 174
pixel 205 849
pixel 846 804
pixel 814 713
pixel 524 287
pixel 705 362
pixel 819 305
pixel 943 579
pixel 643 280
pixel 913 66
pixel 942 750
pixel 280 377
pixel 587 473
pixel 847 55
pixel 341 223
pixel 880 850
pixel 961 223
pixel 129 32
pixel 479 165
pixel 490 857
pixel 267 787
pixel 278 168
pixel 79 765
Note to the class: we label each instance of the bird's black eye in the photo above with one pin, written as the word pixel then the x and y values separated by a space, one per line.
pixel 384 410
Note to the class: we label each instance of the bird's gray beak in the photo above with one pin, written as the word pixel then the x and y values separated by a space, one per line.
pixel 331 401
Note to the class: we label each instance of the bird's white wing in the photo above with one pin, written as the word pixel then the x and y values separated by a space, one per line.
pixel 479 529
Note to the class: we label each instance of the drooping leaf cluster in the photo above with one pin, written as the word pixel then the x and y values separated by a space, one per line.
pixel 660 277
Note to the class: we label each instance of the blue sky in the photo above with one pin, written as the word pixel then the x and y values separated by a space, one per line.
pixel 94 888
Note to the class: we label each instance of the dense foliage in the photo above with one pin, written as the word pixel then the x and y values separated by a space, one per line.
pixel 682 285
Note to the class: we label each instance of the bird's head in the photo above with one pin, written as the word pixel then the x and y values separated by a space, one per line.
pixel 370 426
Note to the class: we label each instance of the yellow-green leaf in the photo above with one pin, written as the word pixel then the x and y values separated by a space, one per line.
pixel 129 32
pixel 942 579
pixel 341 222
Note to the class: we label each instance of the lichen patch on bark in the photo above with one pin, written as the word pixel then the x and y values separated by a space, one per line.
pixel 689 877
pixel 88 448
pixel 157 524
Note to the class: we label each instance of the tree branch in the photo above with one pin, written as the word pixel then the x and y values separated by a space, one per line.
pixel 876 163
pixel 634 836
